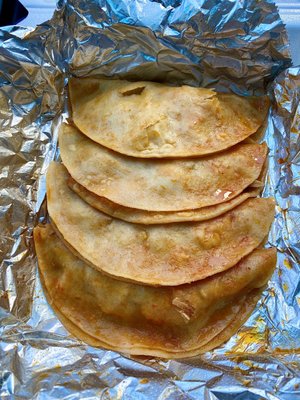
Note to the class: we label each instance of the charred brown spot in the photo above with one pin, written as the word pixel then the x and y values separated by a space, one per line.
pixel 136 90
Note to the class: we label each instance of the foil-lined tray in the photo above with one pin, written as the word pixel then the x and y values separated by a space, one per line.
pixel 239 46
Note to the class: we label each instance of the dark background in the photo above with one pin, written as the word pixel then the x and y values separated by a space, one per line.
pixel 12 12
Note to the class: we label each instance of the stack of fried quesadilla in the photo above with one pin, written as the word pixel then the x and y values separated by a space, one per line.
pixel 155 245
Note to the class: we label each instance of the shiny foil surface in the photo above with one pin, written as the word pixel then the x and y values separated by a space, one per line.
pixel 238 46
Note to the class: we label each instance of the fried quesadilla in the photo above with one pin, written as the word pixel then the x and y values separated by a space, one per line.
pixel 170 254
pixel 158 217
pixel 160 185
pixel 148 120
pixel 136 319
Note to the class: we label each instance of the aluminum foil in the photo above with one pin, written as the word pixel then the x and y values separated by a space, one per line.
pixel 238 46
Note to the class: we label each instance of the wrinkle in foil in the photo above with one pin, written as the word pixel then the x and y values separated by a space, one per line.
pixel 238 46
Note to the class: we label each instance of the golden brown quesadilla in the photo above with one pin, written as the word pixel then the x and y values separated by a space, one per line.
pixel 158 217
pixel 147 119
pixel 170 254
pixel 165 321
pixel 160 185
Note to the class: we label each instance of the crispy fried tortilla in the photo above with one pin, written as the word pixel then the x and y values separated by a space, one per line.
pixel 157 217
pixel 160 185
pixel 146 119
pixel 170 254
pixel 136 319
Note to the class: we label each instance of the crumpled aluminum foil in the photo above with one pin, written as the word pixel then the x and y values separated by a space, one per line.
pixel 238 46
